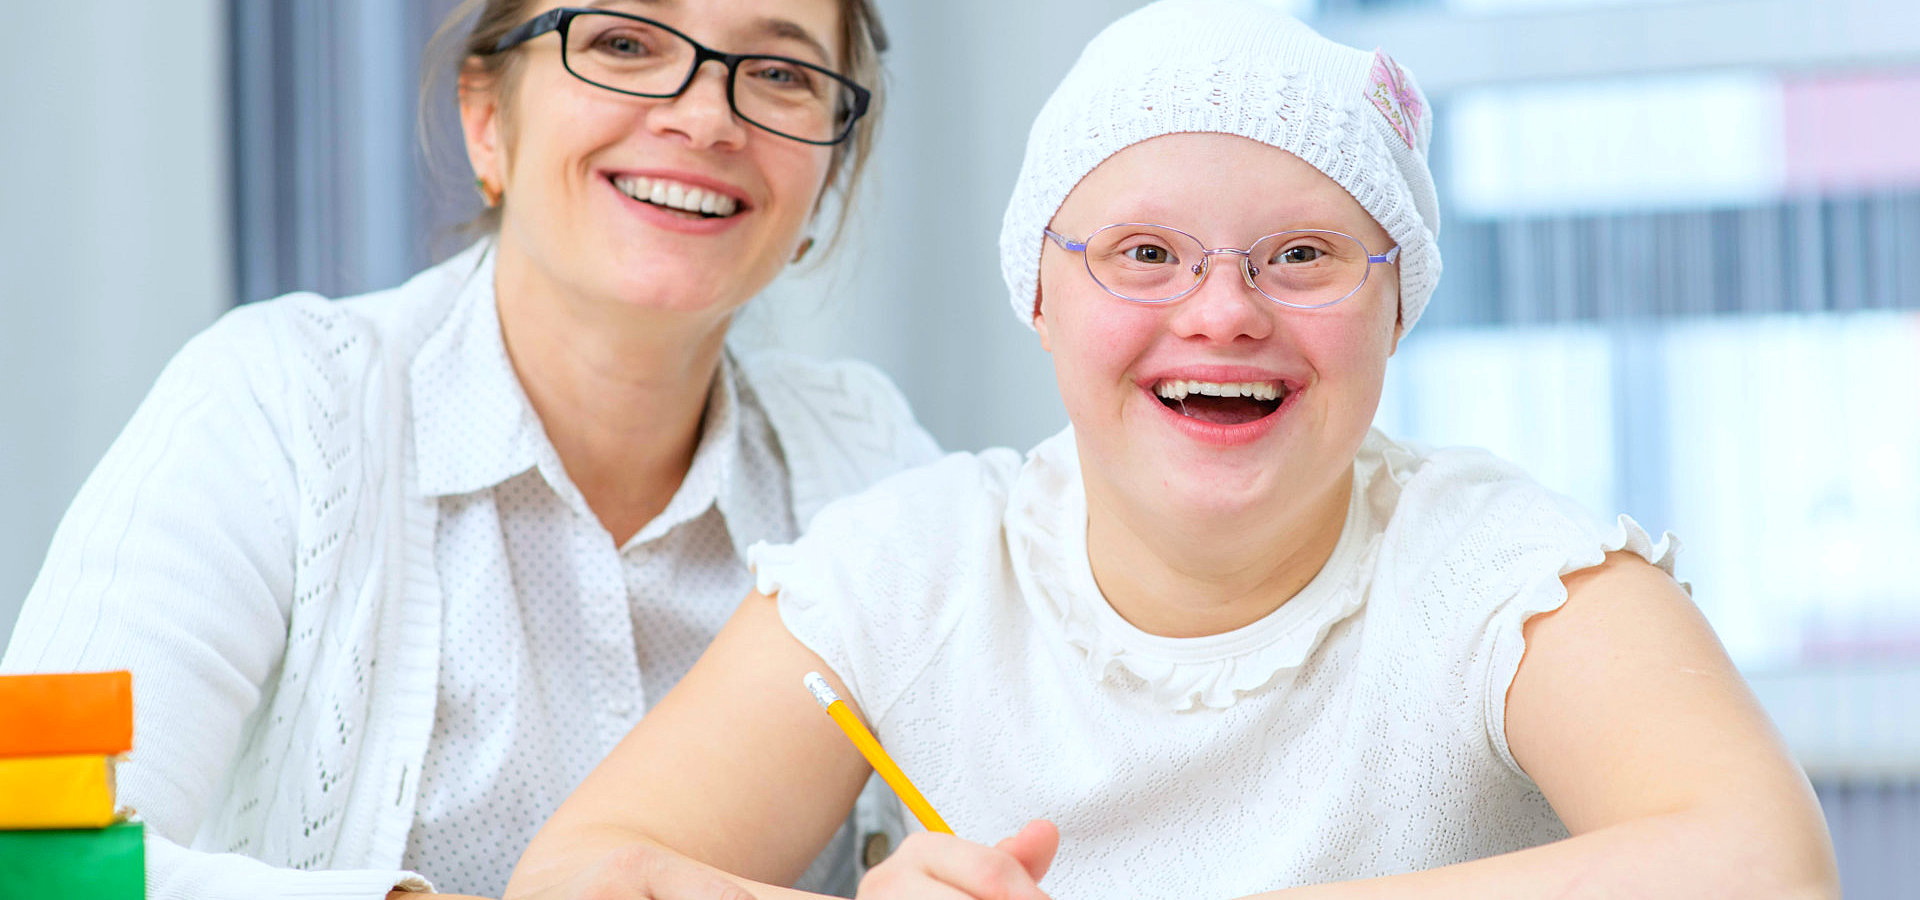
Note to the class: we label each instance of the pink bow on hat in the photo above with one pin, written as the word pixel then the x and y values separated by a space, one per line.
pixel 1395 97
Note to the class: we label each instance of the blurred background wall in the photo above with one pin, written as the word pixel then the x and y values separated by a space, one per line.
pixel 1682 243
pixel 116 243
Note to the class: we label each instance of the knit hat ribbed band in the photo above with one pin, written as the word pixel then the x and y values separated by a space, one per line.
pixel 1244 68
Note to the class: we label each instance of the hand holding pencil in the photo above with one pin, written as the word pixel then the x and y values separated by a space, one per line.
pixel 1012 868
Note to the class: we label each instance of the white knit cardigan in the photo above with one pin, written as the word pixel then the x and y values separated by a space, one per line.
pixel 254 548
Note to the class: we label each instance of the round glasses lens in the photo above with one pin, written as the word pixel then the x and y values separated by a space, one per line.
pixel 1147 263
pixel 1308 268
pixel 793 98
pixel 620 53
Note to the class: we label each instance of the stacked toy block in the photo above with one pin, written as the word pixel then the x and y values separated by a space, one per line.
pixel 60 834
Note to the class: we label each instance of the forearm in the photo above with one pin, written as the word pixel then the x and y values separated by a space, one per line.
pixel 564 866
pixel 1693 854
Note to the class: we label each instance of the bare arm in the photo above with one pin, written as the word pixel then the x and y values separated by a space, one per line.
pixel 733 784
pixel 1637 728
pixel 736 768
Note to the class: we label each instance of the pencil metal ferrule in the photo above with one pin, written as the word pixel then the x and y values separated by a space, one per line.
pixel 822 692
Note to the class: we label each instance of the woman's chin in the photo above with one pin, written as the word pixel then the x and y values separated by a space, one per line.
pixel 1201 497
pixel 676 288
pixel 1218 492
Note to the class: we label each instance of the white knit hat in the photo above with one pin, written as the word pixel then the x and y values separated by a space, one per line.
pixel 1235 67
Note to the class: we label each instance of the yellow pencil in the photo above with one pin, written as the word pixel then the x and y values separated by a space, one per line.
pixel 863 740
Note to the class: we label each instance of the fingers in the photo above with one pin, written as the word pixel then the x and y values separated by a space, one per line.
pixel 1033 847
pixel 930 866
pixel 913 889
pixel 644 872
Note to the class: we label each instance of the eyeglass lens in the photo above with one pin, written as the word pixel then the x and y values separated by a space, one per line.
pixel 779 95
pixel 1298 268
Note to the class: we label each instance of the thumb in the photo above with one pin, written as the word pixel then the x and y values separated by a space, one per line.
pixel 1034 847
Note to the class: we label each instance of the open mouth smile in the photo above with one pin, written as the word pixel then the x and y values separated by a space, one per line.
pixel 1223 403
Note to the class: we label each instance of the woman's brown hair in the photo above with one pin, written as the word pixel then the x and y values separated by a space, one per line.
pixel 452 55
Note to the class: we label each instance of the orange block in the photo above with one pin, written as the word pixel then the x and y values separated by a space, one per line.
pixel 65 715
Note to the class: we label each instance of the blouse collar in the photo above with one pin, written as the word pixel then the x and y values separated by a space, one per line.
pixel 474 428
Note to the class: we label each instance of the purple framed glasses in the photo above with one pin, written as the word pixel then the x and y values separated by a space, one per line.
pixel 1300 269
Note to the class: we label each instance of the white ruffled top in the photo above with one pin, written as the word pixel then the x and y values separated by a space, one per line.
pixel 1358 730
pixel 1046 525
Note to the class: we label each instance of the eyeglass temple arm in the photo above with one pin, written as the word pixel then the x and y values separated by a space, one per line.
pixel 532 28
pixel 1068 245
pixel 1386 257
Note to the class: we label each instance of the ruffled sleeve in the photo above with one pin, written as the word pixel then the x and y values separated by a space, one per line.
pixel 1505 640
pixel 879 580
pixel 1479 548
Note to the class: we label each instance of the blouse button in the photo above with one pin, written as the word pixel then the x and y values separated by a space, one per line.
pixel 874 848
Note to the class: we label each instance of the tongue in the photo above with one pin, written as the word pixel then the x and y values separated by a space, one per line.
pixel 1225 410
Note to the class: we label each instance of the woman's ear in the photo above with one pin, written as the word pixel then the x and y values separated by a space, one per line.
pixel 480 125
pixel 1399 321
pixel 1040 322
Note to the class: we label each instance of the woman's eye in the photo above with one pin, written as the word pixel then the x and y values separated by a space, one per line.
pixel 1151 254
pixel 1298 255
pixel 622 45
pixel 784 76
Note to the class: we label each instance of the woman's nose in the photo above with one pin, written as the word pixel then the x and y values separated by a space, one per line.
pixel 701 113
pixel 1224 308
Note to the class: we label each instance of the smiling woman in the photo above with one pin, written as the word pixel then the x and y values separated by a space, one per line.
pixel 858 33
pixel 393 572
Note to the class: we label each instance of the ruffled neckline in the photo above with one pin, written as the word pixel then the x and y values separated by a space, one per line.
pixel 1046 526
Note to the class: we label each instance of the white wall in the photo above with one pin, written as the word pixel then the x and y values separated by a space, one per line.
pixel 113 237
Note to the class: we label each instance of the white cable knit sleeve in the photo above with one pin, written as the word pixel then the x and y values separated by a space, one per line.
pixel 176 561
pixel 842 425
pixel 176 873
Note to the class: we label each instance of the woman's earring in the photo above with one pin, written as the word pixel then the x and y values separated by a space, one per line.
pixel 489 194
pixel 801 253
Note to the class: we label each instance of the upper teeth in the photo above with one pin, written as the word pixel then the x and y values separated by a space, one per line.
pixel 662 192
pixel 1258 390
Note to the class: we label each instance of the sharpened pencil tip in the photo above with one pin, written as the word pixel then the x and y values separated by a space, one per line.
pixel 822 692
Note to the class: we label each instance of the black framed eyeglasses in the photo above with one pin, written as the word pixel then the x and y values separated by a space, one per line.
pixel 640 57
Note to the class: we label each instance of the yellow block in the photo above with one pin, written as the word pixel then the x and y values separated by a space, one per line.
pixel 56 792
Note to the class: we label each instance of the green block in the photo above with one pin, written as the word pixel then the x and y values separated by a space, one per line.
pixel 107 864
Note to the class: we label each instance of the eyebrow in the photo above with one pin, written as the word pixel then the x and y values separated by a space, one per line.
pixel 767 26
pixel 786 29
